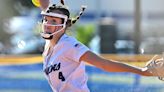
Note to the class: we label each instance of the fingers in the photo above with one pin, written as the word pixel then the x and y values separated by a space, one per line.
pixel 156 66
pixel 152 60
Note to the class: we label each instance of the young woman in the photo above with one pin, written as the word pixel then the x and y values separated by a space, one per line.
pixel 65 56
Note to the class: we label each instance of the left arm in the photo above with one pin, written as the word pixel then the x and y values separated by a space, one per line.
pixel 111 65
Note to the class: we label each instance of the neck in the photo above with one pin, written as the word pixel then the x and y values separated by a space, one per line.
pixel 55 40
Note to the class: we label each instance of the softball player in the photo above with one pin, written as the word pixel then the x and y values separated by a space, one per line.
pixel 64 56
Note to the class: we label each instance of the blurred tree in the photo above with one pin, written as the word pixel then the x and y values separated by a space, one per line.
pixel 85 33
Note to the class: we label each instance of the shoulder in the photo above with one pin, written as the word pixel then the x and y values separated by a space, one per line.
pixel 71 41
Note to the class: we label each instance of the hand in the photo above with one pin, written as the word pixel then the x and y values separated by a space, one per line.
pixel 156 67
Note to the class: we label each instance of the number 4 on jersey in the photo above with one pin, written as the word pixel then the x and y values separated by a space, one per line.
pixel 61 77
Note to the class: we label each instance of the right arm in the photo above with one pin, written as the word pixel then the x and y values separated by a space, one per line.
pixel 44 4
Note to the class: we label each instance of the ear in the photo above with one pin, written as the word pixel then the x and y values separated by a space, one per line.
pixel 69 23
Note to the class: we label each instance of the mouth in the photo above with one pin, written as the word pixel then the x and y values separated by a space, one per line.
pixel 47 36
pixel 47 32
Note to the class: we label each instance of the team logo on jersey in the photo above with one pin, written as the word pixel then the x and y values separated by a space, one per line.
pixel 51 68
pixel 77 45
pixel 55 67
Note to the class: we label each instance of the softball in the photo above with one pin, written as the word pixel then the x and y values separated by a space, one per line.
pixel 36 3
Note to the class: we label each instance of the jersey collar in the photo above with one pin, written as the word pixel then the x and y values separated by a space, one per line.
pixel 63 37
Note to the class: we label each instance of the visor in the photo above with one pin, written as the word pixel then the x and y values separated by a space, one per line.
pixel 55 15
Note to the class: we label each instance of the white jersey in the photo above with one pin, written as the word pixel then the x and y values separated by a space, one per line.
pixel 62 67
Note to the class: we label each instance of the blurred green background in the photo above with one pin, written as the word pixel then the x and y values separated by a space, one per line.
pixel 107 27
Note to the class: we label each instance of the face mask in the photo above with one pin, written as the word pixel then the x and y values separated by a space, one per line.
pixel 50 35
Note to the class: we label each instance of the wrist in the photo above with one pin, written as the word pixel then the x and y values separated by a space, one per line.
pixel 145 72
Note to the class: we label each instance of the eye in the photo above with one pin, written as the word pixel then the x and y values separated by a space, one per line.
pixel 53 22
pixel 44 20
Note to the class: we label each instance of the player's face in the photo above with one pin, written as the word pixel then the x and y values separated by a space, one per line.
pixel 51 24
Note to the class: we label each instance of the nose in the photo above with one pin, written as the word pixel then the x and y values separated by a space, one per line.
pixel 47 28
pixel 48 22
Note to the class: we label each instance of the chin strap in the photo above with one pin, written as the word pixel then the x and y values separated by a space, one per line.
pixel 50 36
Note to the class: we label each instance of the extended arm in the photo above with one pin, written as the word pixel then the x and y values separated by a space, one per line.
pixel 44 4
pixel 111 65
